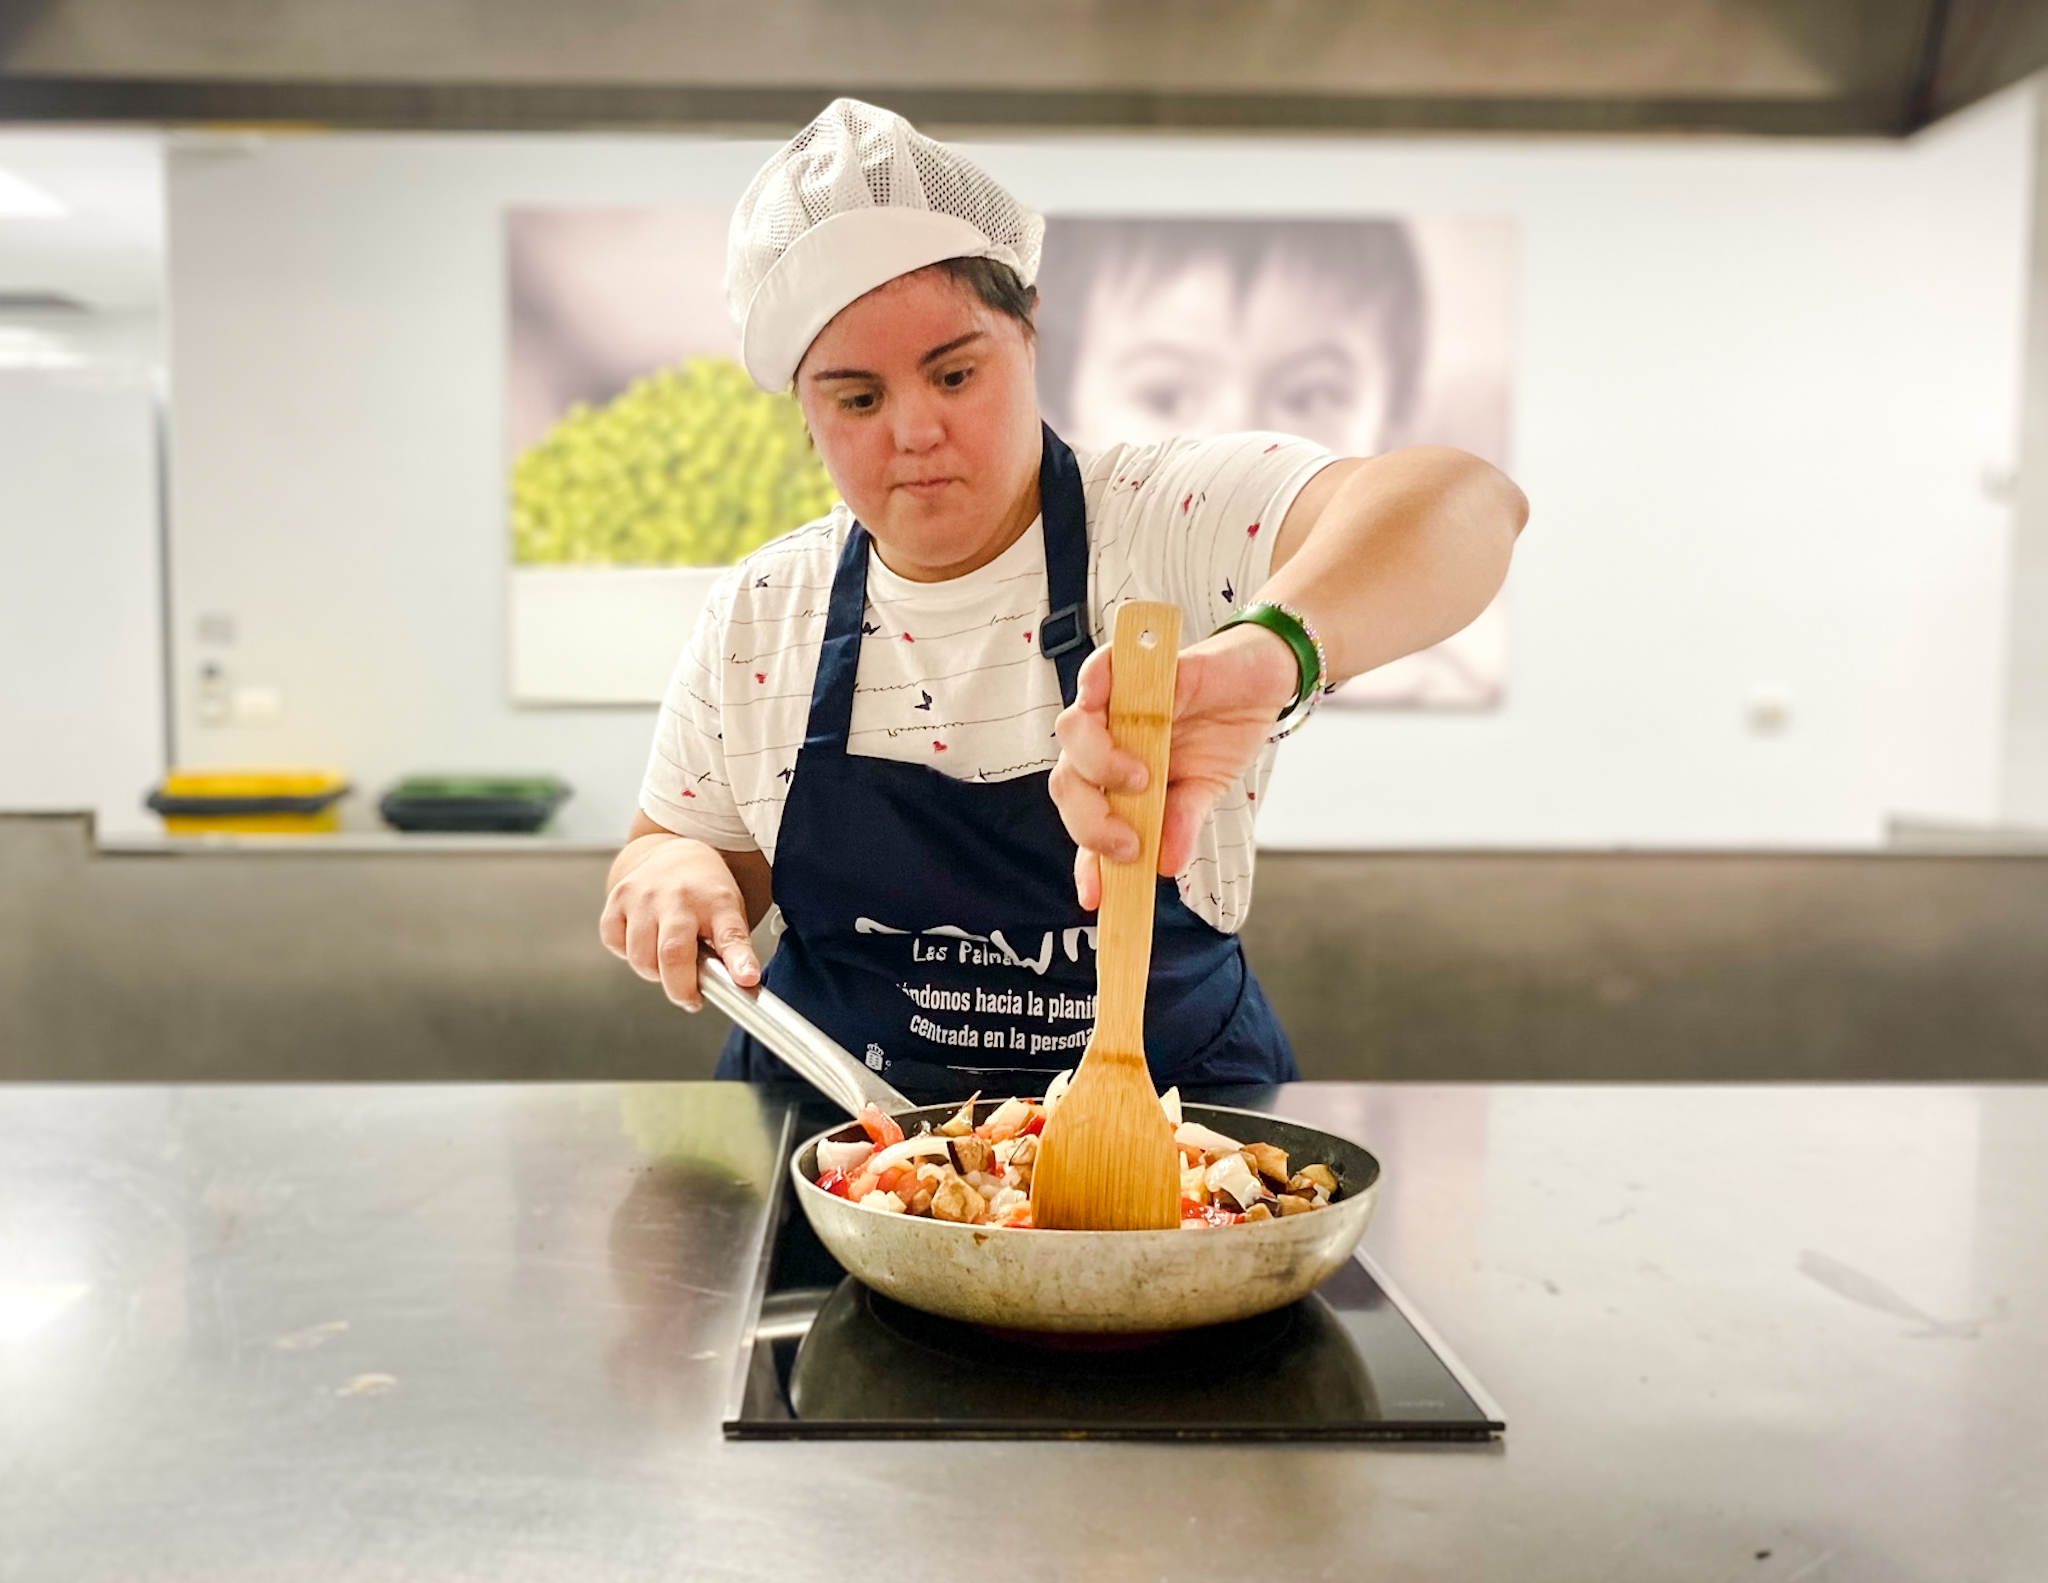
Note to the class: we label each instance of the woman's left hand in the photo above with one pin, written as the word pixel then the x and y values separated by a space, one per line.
pixel 1229 692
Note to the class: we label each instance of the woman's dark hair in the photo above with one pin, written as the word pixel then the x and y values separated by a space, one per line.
pixel 997 285
pixel 1370 263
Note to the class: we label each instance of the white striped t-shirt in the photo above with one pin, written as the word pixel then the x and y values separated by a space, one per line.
pixel 950 673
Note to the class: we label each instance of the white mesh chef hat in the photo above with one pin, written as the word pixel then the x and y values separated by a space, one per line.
pixel 856 199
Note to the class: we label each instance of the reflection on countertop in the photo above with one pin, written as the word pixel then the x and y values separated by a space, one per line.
pixel 428 1330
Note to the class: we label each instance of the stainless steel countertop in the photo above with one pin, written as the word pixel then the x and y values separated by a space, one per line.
pixel 486 1332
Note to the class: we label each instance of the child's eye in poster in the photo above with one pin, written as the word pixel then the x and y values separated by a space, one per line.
pixel 1362 335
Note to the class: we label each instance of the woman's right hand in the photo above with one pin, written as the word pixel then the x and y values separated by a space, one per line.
pixel 669 892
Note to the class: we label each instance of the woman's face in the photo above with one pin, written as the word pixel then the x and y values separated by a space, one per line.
pixel 920 399
pixel 1183 353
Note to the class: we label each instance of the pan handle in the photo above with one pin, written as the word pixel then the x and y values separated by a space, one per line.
pixel 797 1040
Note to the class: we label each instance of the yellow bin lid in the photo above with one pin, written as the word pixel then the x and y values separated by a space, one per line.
pixel 255 782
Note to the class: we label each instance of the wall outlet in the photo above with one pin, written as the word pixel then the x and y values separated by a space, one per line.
pixel 257 706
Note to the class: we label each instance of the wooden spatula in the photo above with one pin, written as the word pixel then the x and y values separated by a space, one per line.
pixel 1106 1161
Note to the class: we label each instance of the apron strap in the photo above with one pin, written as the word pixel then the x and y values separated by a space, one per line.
pixel 1063 637
pixel 839 658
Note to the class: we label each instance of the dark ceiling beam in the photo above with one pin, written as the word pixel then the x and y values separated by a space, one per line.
pixel 1982 46
pixel 1770 67
pixel 1918 110
pixel 623 107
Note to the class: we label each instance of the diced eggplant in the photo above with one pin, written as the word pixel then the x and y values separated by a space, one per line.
pixel 1023 1160
pixel 1291 1204
pixel 1311 1177
pixel 1269 1162
pixel 971 1154
pixel 961 1122
pixel 957 1202
pixel 1258 1211
pixel 887 1203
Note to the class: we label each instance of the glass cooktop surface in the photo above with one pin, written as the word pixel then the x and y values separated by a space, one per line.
pixel 825 1357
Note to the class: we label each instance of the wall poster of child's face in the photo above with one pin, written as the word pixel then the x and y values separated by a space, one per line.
pixel 1362 335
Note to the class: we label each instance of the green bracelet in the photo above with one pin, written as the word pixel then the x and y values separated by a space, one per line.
pixel 1293 628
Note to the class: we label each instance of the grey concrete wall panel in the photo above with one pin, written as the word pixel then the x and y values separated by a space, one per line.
pixel 436 964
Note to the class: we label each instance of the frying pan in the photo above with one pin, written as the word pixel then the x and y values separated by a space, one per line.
pixel 1085 1281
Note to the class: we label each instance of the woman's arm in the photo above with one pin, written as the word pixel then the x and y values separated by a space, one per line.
pixel 666 892
pixel 1384 556
pixel 1389 555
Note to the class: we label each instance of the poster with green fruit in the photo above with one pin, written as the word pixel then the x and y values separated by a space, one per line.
pixel 637 438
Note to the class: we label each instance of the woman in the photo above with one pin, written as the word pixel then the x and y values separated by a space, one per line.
pixel 890 723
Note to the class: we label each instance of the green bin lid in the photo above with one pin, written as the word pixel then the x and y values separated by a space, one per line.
pixel 468 788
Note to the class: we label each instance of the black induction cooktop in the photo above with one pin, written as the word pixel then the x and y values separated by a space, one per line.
pixel 823 1357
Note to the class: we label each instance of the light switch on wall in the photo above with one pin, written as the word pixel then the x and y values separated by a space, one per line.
pixel 213 694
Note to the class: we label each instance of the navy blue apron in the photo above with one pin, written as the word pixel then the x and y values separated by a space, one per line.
pixel 930 923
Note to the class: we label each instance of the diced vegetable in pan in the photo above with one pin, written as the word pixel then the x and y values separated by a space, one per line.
pixel 843 1156
pixel 980 1174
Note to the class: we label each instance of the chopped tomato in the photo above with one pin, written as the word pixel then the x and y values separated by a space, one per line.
pixel 833 1182
pixel 880 1127
pixel 897 1177
pixel 1208 1213
pixel 1018 1219
pixel 861 1186
pixel 1035 1125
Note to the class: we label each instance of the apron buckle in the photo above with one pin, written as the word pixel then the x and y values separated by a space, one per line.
pixel 1075 635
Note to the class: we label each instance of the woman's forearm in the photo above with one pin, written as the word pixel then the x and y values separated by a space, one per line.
pixel 635 852
pixel 750 870
pixel 1401 551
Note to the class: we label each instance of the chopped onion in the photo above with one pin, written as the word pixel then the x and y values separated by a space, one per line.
pixel 1231 1177
pixel 883 1203
pixel 1170 1103
pixel 925 1143
pixel 843 1156
pixel 1055 1088
pixel 1193 1135
pixel 1008 1120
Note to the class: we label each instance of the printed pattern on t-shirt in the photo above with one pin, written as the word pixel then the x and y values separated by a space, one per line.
pixel 950 673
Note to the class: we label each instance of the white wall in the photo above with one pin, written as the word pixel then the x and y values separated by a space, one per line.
pixel 2024 799
pixel 81 674
pixel 1761 388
